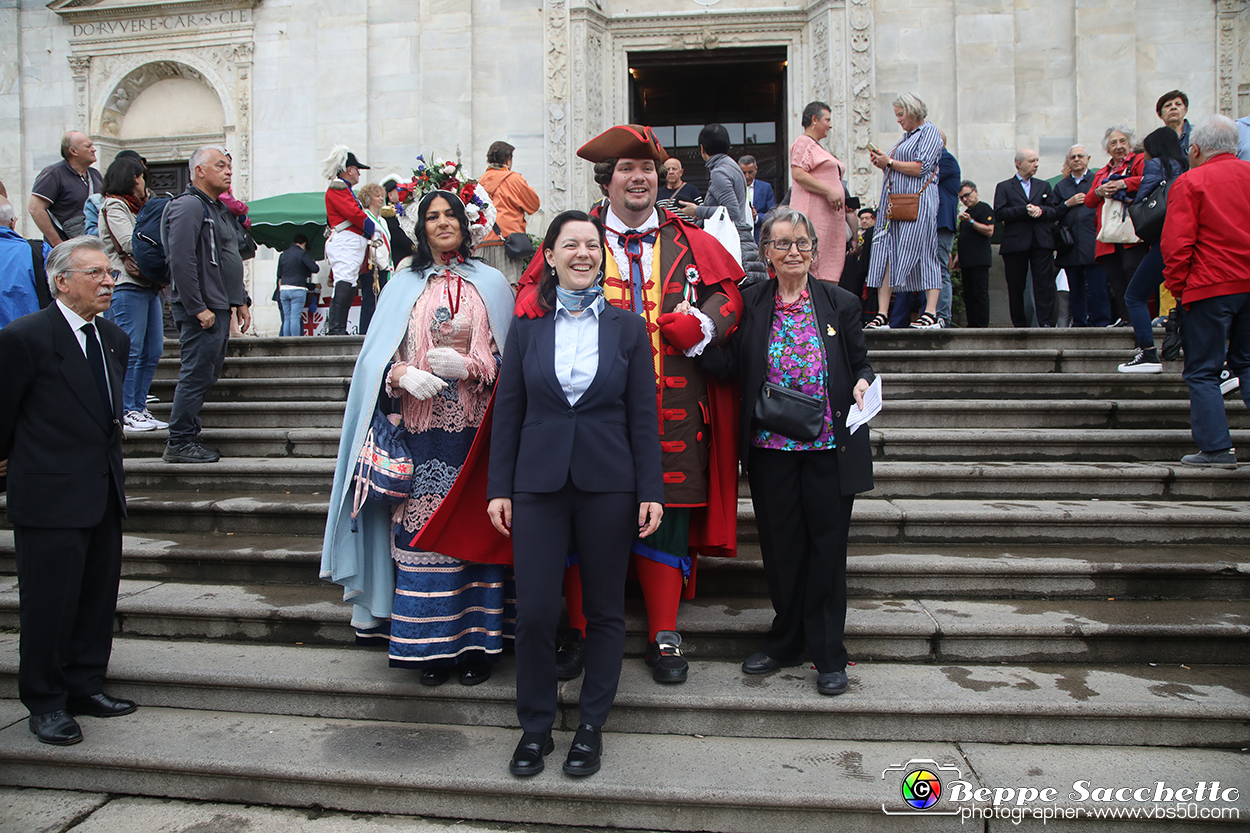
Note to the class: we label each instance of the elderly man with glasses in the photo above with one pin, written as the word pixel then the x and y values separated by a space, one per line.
pixel 61 369
pixel 1089 301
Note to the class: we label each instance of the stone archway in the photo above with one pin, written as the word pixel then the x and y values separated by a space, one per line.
pixel 145 81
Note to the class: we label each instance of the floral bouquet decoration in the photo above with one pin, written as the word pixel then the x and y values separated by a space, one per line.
pixel 445 175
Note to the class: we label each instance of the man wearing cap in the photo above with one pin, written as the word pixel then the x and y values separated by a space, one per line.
pixel 351 231
pixel 684 284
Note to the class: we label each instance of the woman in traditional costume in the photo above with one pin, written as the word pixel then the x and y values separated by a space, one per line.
pixel 428 364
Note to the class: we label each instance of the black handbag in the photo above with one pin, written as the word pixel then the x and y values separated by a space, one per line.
pixel 790 413
pixel 1064 241
pixel 1171 349
pixel 1148 216
pixel 517 246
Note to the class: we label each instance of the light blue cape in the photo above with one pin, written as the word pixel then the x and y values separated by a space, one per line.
pixel 361 561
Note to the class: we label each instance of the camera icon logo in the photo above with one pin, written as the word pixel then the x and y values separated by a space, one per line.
pixel 920 787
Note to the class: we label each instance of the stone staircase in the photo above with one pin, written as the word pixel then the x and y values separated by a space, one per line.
pixel 1040 593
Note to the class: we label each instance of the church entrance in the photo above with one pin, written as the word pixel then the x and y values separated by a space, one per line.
pixel 677 93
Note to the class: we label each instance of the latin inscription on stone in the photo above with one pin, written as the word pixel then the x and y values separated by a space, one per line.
pixel 157 25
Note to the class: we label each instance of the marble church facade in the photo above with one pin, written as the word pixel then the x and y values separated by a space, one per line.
pixel 279 81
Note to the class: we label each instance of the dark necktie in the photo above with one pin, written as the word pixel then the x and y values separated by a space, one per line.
pixel 632 240
pixel 95 360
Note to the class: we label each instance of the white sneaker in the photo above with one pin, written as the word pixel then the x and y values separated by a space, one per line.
pixel 136 421
pixel 148 414
pixel 1139 364
pixel 1228 382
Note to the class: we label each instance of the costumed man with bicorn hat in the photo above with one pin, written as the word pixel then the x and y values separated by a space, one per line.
pixel 684 284
pixel 350 233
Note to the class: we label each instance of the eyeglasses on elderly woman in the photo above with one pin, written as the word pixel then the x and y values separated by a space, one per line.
pixel 784 244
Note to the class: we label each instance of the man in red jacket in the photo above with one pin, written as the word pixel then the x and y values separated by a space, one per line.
pixel 351 230
pixel 1206 255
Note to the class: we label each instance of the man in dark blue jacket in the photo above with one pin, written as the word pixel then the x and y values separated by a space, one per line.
pixel 949 177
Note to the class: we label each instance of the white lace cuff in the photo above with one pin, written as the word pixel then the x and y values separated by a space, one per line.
pixel 709 333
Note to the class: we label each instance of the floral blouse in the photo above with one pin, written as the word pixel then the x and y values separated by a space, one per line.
pixel 796 359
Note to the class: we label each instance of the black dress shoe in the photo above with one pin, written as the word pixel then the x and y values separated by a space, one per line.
pixel 585 752
pixel 762 663
pixel 570 654
pixel 435 676
pixel 100 705
pixel 665 659
pixel 56 728
pixel 528 760
pixel 474 674
pixel 831 682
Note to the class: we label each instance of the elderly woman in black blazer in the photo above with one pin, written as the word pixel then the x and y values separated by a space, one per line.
pixel 574 457
pixel 801 335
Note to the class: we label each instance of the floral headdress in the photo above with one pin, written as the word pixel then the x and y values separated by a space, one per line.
pixel 445 175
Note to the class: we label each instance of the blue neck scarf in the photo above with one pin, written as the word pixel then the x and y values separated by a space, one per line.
pixel 577 300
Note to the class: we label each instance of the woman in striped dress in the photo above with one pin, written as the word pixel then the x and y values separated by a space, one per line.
pixel 905 253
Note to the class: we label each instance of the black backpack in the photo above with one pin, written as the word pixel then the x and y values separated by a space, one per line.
pixel 148 243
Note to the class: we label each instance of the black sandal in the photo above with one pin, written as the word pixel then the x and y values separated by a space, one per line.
pixel 880 321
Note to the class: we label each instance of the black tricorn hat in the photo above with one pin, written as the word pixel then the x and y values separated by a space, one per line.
pixel 353 162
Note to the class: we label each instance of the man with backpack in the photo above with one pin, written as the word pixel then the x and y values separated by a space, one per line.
pixel 201 248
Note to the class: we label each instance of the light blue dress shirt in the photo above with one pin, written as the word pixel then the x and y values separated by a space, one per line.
pixel 1027 185
pixel 577 349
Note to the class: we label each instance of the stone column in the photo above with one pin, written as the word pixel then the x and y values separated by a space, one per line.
pixel 243 121
pixel 11 136
pixel 79 65
pixel 587 36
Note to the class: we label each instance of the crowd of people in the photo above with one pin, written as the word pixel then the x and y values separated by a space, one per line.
pixel 506 442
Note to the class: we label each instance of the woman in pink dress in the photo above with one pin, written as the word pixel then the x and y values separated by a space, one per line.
pixel 818 192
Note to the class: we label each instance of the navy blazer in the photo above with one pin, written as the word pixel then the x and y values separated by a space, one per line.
pixel 839 319
pixel 1020 231
pixel 608 442
pixel 763 200
pixel 64 455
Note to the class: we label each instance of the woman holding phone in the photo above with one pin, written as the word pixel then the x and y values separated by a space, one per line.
pixel 574 467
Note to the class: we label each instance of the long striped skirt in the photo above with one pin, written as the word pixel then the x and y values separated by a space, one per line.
pixel 451 613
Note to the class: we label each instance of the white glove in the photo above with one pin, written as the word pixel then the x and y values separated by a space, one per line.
pixel 446 362
pixel 421 384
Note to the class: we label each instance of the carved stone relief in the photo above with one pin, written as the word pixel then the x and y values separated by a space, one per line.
pixel 859 17
pixel 556 48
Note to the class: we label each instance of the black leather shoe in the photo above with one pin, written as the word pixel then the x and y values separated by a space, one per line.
pixel 56 728
pixel 435 676
pixel 665 659
pixel 475 674
pixel 570 654
pixel 100 705
pixel 528 760
pixel 831 682
pixel 585 752
pixel 762 663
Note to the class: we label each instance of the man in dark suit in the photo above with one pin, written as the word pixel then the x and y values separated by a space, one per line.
pixel 759 193
pixel 1026 208
pixel 60 443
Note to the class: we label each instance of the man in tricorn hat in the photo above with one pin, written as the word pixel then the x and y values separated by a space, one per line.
pixel 684 283
pixel 351 231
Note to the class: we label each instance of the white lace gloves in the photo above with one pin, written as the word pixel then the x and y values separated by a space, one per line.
pixel 446 362
pixel 421 384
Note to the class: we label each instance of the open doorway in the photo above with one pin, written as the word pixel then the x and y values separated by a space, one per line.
pixel 677 93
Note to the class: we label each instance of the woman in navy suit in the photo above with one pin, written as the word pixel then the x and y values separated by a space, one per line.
pixel 574 467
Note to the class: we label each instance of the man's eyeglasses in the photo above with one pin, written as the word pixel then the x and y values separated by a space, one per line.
pixel 98 274
pixel 784 245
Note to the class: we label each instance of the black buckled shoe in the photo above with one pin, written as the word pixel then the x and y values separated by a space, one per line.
pixel 528 760
pixel 56 728
pixel 100 705
pixel 437 675
pixel 585 753
pixel 762 663
pixel 665 659
pixel 570 654
pixel 475 673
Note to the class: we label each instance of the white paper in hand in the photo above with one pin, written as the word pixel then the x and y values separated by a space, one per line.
pixel 872 406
